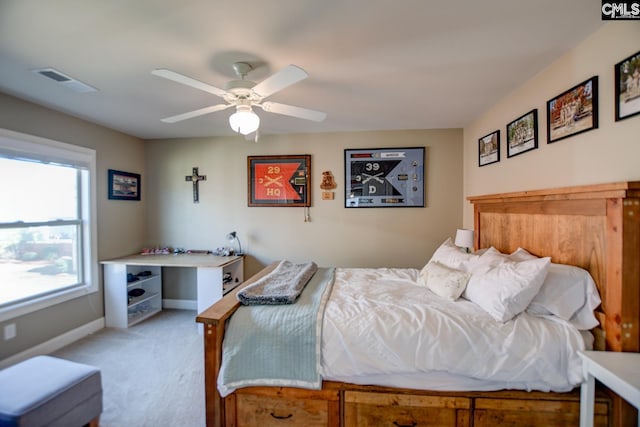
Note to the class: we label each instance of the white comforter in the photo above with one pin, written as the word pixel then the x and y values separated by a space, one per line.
pixel 382 327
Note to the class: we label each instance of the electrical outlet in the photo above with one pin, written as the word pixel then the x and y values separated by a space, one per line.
pixel 9 331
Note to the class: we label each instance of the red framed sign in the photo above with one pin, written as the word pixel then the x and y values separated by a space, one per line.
pixel 279 180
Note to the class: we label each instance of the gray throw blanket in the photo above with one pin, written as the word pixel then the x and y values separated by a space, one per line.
pixel 282 286
pixel 277 345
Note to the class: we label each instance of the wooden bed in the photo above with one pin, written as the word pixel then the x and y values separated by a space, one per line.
pixel 596 227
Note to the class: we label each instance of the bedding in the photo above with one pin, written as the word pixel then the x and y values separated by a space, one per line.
pixel 382 322
pixel 444 281
pixel 386 326
pixel 568 292
pixel 277 345
pixel 505 288
pixel 283 286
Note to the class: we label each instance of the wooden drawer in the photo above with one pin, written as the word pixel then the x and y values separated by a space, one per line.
pixel 364 409
pixel 264 408
pixel 533 413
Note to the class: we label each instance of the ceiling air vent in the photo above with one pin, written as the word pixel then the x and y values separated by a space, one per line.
pixel 64 80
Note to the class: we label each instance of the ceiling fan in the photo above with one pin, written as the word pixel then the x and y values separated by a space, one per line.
pixel 244 95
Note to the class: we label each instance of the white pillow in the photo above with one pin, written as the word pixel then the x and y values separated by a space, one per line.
pixel 453 257
pixel 567 292
pixel 489 259
pixel 521 255
pixel 585 318
pixel 506 290
pixel 446 282
pixel 570 293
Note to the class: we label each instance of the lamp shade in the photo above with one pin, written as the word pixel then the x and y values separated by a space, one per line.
pixel 464 238
pixel 244 120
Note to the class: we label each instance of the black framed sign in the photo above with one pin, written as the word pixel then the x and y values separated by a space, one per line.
pixel 124 185
pixel 279 180
pixel 573 111
pixel 522 134
pixel 384 177
pixel 627 87
pixel 489 148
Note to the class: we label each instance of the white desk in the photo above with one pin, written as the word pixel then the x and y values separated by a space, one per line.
pixel 619 371
pixel 210 272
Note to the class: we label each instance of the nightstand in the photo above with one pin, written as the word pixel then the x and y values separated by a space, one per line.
pixel 619 371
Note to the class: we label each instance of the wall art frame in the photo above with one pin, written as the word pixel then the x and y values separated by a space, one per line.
pixel 384 177
pixel 124 185
pixel 489 148
pixel 574 111
pixel 522 134
pixel 627 87
pixel 279 181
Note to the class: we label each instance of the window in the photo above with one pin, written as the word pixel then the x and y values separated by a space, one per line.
pixel 47 223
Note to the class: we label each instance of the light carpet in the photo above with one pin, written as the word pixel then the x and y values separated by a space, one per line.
pixel 152 373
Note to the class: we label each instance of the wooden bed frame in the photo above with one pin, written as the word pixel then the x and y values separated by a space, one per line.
pixel 596 227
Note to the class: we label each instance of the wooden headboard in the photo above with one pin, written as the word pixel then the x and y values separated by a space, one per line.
pixel 596 227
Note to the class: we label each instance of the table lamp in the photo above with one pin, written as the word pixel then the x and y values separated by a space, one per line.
pixel 464 239
pixel 234 236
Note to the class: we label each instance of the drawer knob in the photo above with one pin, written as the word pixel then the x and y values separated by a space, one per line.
pixel 413 424
pixel 281 417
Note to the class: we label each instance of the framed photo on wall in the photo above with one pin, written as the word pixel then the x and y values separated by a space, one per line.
pixel 489 148
pixel 573 111
pixel 124 185
pixel 522 134
pixel 627 87
pixel 282 181
pixel 384 177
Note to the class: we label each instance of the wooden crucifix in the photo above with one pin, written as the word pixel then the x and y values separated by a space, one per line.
pixel 195 178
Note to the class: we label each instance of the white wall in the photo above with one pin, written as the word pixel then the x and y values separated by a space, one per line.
pixel 335 236
pixel 608 154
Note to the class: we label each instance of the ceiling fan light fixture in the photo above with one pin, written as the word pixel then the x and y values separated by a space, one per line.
pixel 244 120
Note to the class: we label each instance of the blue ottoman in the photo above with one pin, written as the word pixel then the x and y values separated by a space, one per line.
pixel 47 391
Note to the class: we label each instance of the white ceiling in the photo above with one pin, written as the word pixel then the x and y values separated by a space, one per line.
pixel 372 64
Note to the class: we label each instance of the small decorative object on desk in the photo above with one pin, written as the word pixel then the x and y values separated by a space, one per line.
pixel 156 251
pixel 224 251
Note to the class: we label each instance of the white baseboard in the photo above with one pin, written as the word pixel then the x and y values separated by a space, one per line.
pixel 55 343
pixel 180 304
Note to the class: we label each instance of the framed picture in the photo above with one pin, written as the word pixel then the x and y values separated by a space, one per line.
pixel 124 185
pixel 573 111
pixel 279 180
pixel 384 178
pixel 522 134
pixel 489 148
pixel 627 86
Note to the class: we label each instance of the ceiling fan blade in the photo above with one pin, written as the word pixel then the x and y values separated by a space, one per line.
pixel 196 113
pixel 286 77
pixel 179 78
pixel 291 110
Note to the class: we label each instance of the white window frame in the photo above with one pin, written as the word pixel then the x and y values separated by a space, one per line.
pixel 20 145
